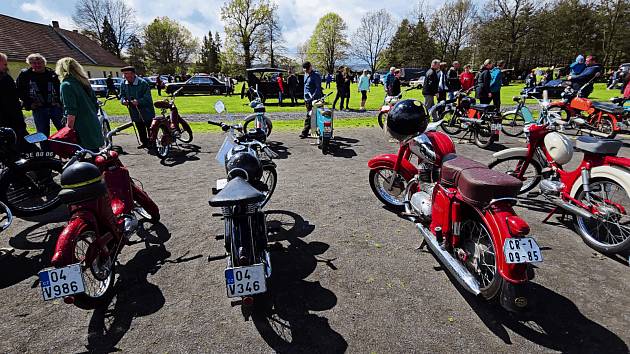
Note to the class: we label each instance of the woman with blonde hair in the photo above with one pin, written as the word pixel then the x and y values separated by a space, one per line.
pixel 79 103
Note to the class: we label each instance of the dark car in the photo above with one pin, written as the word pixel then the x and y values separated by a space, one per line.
pixel 201 84
pixel 266 79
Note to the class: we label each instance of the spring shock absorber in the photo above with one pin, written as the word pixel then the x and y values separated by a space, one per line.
pixel 586 182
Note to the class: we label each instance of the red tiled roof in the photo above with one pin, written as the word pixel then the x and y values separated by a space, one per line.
pixel 19 38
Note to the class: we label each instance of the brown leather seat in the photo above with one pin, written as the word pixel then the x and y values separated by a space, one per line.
pixel 476 183
pixel 165 104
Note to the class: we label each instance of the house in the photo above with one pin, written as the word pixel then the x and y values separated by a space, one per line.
pixel 19 38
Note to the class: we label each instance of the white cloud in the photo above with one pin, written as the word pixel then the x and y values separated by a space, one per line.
pixel 47 15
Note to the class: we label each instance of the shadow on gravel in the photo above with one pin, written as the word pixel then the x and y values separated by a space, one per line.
pixel 342 147
pixel 279 148
pixel 184 153
pixel 286 320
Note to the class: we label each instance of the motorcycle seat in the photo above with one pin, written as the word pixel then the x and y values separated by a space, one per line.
pixel 165 104
pixel 236 191
pixel 608 108
pixel 483 107
pixel 476 183
pixel 598 146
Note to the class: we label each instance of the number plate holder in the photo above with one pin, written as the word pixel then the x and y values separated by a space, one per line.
pixel 61 282
pixel 245 281
pixel 522 250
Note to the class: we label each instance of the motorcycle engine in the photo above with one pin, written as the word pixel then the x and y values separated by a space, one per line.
pixel 422 201
pixel 549 187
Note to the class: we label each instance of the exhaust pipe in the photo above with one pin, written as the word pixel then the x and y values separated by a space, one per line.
pixel 593 132
pixel 463 276
pixel 572 208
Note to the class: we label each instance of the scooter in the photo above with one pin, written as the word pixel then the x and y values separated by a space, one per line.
pixel 103 202
pixel 322 120
pixel 464 213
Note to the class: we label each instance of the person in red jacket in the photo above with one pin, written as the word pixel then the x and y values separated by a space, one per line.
pixel 467 78
pixel 280 89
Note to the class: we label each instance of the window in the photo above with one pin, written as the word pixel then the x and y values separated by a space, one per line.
pixel 194 80
pixel 204 80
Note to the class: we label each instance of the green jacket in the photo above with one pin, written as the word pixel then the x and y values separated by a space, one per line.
pixel 139 90
pixel 81 103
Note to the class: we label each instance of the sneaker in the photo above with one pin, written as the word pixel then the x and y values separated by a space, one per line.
pixel 303 136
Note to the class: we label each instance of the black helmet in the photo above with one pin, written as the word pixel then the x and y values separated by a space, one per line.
pixel 467 101
pixel 7 137
pixel 245 165
pixel 80 174
pixel 407 118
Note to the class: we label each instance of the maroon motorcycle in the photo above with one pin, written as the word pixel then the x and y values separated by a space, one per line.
pixel 462 209
pixel 104 203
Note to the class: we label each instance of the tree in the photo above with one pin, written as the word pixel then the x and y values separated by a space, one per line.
pixel 209 55
pixel 411 45
pixel 612 17
pixel 516 18
pixel 90 15
pixel 168 45
pixel 329 42
pixel 232 63
pixel 372 37
pixel 244 20
pixel 136 55
pixel 272 42
pixel 108 38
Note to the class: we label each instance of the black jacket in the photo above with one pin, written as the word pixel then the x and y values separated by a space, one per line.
pixel 292 82
pixel 10 109
pixel 395 90
pixel 42 88
pixel 482 86
pixel 339 81
pixel 430 86
pixel 453 80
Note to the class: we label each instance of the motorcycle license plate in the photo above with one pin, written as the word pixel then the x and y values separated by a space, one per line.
pixel 244 281
pixel 522 250
pixel 464 125
pixel 221 183
pixel 60 282
pixel 496 128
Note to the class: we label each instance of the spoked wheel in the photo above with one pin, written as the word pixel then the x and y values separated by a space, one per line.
pixel 162 142
pixel 481 258
pixel 606 126
pixel 392 196
pixel 451 124
pixel 609 232
pixel 325 145
pixel 185 134
pixel 269 178
pixel 382 119
pixel 483 135
pixel 98 274
pixel 249 125
pixel 513 165
pixel 105 128
pixel 512 124
pixel 569 127
pixel 32 188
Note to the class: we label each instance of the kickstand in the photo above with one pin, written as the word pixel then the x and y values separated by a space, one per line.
pixel 422 245
pixel 553 211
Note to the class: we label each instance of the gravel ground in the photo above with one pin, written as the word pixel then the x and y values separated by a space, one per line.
pixel 347 274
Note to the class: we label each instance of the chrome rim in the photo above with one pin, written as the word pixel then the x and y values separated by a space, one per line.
pixel 477 243
pixel 96 276
pixel 513 166
pixel 451 124
pixel 611 227
pixel 162 150
pixel 270 181
pixel 394 196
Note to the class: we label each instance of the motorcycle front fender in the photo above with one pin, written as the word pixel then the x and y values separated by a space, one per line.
pixel 64 249
pixel 406 168
pixel 511 152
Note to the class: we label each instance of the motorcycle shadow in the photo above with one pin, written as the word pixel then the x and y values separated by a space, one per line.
pixel 279 148
pixel 181 154
pixel 342 147
pixel 286 318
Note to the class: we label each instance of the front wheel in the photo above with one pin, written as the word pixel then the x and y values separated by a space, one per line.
pixel 162 141
pixel 268 123
pixel 269 178
pixel 609 231
pixel 144 205
pixel 106 129
pixel 382 119
pixel 185 134
pixel 451 124
pixel 514 165
pixel 512 124
pixel 484 136
pixel 388 189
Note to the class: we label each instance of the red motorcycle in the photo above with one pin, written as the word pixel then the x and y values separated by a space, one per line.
pixel 464 213
pixel 103 202
pixel 597 192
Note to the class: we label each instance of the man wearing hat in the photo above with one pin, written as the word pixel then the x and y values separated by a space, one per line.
pixel 135 93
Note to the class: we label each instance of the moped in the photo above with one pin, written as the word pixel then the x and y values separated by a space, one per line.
pixel 166 130
pixel 464 213
pixel 103 201
pixel 322 120
pixel 259 120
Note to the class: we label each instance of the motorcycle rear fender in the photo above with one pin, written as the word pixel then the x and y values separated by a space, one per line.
pixel 618 174
pixel 407 169
pixel 64 248
pixel 385 108
pixel 511 152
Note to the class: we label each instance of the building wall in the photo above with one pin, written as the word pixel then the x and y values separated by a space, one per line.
pixel 93 71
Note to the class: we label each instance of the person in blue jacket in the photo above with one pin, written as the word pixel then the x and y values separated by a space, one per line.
pixel 578 66
pixel 312 91
pixel 496 81
pixel 592 70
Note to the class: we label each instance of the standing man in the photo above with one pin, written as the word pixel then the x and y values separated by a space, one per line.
pixel 453 80
pixel 442 82
pixel 496 81
pixel 292 83
pixel 38 88
pixel 329 79
pixel 482 86
pixel 430 86
pixel 339 82
pixel 389 80
pixel 158 84
pixel 111 88
pixel 280 89
pixel 136 95
pixel 312 91
pixel 592 69
pixel 10 109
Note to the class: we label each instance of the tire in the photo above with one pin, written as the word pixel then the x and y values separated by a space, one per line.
pixel 392 200
pixel 33 187
pixel 511 164
pixel 106 129
pixel 145 206
pixel 615 225
pixel 269 178
pixel 186 134
pixel 216 91
pixel 512 124
pixel 565 114
pixel 382 119
pixel 162 145
pixel 253 118
pixel 98 277
pixel 450 124
pixel 483 135
pixel 476 239
pixel 606 126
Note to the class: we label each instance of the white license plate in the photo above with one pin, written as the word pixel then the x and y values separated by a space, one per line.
pixel 221 183
pixel 464 125
pixel 522 250
pixel 496 127
pixel 60 282
pixel 327 130
pixel 243 281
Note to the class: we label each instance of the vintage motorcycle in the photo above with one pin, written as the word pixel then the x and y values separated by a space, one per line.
pixel 166 130
pixel 463 211
pixel 322 120
pixel 103 201
pixel 29 182
pixel 597 192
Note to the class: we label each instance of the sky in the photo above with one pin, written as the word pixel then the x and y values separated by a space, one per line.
pixel 298 17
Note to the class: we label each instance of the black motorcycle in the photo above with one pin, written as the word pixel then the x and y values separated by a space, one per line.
pixel 29 182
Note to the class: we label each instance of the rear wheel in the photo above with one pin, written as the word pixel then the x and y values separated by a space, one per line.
pixel 325 145
pixel 512 124
pixel 451 124
pixel 483 135
pixel 162 142
pixel 382 119
pixel 481 257
pixel 606 126
pixel 565 115
pixel 392 196
pixel 33 187
pixel 97 269
pixel 248 124
pixel 609 232
pixel 513 166
pixel 106 129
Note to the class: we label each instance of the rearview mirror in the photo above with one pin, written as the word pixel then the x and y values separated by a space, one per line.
pixel 36 138
pixel 219 107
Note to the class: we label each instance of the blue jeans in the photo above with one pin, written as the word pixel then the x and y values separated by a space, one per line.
pixel 43 116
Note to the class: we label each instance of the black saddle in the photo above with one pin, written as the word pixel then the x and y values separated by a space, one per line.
pixel 237 191
pixel 608 108
pixel 598 146
pixel 483 107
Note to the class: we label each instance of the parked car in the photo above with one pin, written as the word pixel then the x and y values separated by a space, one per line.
pixel 153 78
pixel 417 82
pixel 266 78
pixel 407 74
pixel 99 86
pixel 200 84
